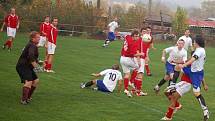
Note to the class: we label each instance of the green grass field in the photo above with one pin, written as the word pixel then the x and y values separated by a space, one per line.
pixel 59 97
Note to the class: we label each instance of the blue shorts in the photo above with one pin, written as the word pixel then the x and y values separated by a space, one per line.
pixel 101 86
pixel 111 36
pixel 169 68
pixel 196 77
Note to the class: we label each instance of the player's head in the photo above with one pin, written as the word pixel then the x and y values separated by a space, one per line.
pixel 135 34
pixel 187 33
pixel 180 43
pixel 199 41
pixel 115 19
pixel 149 29
pixel 143 31
pixel 47 19
pixel 115 67
pixel 35 37
pixel 55 21
pixel 12 10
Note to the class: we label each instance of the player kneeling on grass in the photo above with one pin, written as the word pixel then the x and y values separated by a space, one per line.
pixel 109 82
pixel 26 67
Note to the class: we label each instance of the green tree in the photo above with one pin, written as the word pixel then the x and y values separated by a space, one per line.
pixel 180 21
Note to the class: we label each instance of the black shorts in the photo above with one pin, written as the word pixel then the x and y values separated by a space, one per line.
pixel 26 73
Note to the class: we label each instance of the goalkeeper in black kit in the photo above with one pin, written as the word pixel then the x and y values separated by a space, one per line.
pixel 27 66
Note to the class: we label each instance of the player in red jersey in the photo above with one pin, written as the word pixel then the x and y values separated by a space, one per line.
pixel 51 45
pixel 12 23
pixel 174 93
pixel 130 49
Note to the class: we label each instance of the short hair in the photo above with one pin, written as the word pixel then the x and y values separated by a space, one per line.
pixel 33 34
pixel 54 18
pixel 144 28
pixel 134 32
pixel 181 40
pixel 148 27
pixel 47 16
pixel 200 41
pixel 115 67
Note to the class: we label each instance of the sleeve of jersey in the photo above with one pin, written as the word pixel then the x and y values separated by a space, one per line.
pixel 169 49
pixel 185 57
pixel 104 72
pixel 31 54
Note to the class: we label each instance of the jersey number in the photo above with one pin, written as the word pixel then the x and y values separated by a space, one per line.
pixel 112 76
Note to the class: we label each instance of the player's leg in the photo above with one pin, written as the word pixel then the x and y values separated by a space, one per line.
pixel 101 86
pixel 33 88
pixel 196 78
pixel 51 52
pixel 148 72
pixel 161 82
pixel 25 91
pixel 175 75
pixel 88 84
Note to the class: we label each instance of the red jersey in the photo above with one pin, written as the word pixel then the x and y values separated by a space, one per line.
pixel 45 28
pixel 11 20
pixel 186 78
pixel 52 37
pixel 130 47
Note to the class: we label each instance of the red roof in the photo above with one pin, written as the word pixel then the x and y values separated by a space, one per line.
pixel 199 23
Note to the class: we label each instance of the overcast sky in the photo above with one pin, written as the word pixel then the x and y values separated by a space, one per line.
pixel 170 3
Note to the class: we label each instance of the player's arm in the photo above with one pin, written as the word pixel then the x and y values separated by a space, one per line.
pixel 204 85
pixel 96 74
pixel 163 58
pixel 120 83
pixel 2 27
pixel 189 62
pixel 18 23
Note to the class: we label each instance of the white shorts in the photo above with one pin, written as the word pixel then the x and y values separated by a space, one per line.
pixel 128 64
pixel 183 87
pixel 51 48
pixel 11 32
pixel 42 41
pixel 142 65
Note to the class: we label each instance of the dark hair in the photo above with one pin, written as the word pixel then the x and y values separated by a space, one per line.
pixel 181 40
pixel 33 34
pixel 134 32
pixel 54 18
pixel 47 16
pixel 148 27
pixel 200 41
pixel 115 67
pixel 142 29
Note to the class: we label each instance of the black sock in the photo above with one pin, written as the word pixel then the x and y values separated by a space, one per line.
pixel 170 82
pixel 88 84
pixel 202 103
pixel 175 76
pixel 162 81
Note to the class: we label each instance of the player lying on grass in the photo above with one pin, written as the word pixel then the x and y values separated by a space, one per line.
pixel 175 93
pixel 109 82
pixel 177 55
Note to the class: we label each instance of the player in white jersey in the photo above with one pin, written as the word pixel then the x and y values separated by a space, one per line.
pixel 196 72
pixel 187 40
pixel 177 55
pixel 109 82
pixel 112 26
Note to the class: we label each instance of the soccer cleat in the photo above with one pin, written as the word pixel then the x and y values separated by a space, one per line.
pixel 177 108
pixel 149 74
pixel 131 85
pixel 82 85
pixel 29 100
pixel 23 102
pixel 9 49
pixel 127 93
pixel 50 71
pixel 156 89
pixel 3 47
pixel 166 119
pixel 206 115
pixel 141 93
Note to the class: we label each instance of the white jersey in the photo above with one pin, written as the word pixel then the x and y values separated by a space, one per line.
pixel 110 78
pixel 187 42
pixel 112 26
pixel 176 55
pixel 198 65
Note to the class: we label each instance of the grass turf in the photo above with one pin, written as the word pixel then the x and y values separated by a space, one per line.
pixel 59 98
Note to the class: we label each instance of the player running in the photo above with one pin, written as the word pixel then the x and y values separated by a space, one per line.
pixel 51 45
pixel 109 82
pixel 12 23
pixel 177 55
pixel 196 72
pixel 111 32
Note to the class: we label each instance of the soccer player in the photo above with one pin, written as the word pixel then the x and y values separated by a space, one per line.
pixel 187 40
pixel 25 67
pixel 196 72
pixel 109 82
pixel 12 23
pixel 177 55
pixel 44 30
pixel 111 31
pixel 130 49
pixel 51 45
pixel 174 94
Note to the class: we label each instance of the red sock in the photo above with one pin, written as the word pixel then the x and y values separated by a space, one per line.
pixel 133 76
pixel 147 69
pixel 50 66
pixel 31 91
pixel 177 104
pixel 6 43
pixel 169 113
pixel 9 44
pixel 138 84
pixel 126 83
pixel 25 93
